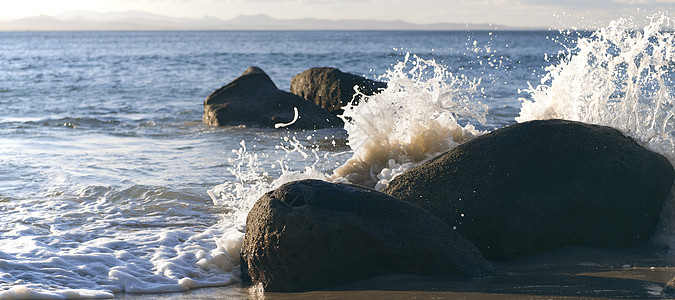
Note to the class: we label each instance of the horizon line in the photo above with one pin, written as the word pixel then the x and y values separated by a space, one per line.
pixel 148 21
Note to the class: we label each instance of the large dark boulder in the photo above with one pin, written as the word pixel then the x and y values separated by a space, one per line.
pixel 331 88
pixel 253 99
pixel 313 234
pixel 542 185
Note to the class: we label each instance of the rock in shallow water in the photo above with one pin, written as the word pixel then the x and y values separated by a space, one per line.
pixel 331 88
pixel 253 99
pixel 541 185
pixel 312 234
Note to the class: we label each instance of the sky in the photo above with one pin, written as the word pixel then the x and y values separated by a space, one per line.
pixel 531 13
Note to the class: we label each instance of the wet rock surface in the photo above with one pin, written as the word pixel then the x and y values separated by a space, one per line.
pixel 541 185
pixel 253 99
pixel 331 88
pixel 311 234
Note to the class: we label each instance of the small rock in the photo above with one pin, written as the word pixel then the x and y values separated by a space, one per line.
pixel 253 99
pixel 331 88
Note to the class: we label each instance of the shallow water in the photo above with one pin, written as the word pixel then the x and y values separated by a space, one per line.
pixel 568 273
pixel 110 185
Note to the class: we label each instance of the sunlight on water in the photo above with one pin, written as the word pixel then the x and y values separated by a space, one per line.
pixel 157 238
pixel 141 239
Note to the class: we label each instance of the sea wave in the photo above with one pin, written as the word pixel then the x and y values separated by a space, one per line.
pixel 622 78
pixel 427 110
pixel 99 240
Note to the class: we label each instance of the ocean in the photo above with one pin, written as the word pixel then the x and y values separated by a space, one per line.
pixel 111 185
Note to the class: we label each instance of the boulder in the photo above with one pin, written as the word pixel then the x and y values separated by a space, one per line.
pixel 330 88
pixel 253 99
pixel 312 234
pixel 541 185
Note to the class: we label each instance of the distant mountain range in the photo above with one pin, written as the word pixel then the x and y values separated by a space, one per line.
pixel 135 20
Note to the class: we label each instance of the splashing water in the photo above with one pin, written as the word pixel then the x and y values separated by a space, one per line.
pixel 617 77
pixel 108 257
pixel 252 181
pixel 414 119
pixel 622 78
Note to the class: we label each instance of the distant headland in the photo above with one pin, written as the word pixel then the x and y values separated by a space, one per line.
pixel 136 20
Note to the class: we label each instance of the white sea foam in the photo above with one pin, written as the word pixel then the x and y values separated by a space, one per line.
pixel 139 240
pixel 99 247
pixel 108 240
pixel 252 181
pixel 414 119
pixel 622 78
pixel 617 77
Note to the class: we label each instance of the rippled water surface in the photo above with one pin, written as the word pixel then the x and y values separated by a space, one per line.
pixel 110 183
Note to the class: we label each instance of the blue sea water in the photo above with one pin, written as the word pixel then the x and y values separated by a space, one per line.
pixel 110 183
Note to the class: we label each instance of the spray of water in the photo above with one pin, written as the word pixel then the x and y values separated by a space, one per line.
pixel 414 119
pixel 251 171
pixel 618 77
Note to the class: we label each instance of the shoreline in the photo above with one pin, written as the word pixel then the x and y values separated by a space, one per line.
pixel 567 273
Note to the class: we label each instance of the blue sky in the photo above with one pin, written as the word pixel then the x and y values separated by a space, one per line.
pixel 546 13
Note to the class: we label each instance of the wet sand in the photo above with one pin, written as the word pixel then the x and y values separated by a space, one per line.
pixel 568 273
